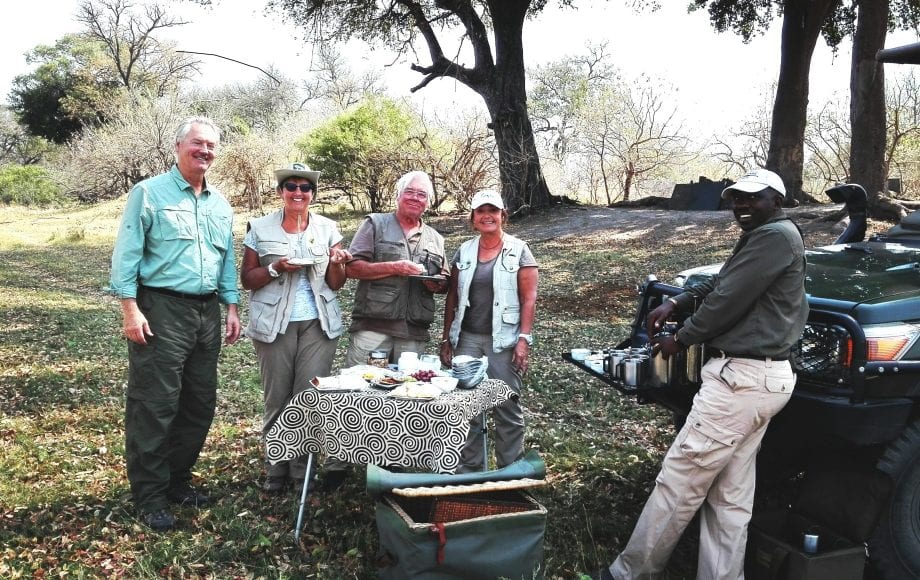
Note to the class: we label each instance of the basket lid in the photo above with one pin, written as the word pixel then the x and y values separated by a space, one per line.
pixel 526 472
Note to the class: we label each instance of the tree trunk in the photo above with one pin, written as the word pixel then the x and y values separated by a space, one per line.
pixel 505 96
pixel 802 21
pixel 522 179
pixel 627 185
pixel 868 123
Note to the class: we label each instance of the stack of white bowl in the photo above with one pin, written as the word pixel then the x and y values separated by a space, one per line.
pixel 469 371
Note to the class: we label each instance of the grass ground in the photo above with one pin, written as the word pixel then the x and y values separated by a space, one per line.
pixel 65 509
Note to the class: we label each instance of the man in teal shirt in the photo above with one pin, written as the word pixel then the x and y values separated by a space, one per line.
pixel 172 266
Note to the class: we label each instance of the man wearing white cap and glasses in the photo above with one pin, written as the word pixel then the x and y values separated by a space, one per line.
pixel 750 316
pixel 489 311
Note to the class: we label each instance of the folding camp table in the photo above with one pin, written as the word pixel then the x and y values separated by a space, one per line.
pixel 369 427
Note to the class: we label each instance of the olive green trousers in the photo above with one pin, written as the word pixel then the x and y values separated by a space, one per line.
pixel 172 394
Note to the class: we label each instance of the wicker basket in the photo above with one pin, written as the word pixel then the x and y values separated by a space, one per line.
pixel 455 508
pixel 462 527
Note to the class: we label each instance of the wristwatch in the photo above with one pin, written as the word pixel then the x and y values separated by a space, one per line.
pixel 678 342
pixel 527 337
pixel 272 272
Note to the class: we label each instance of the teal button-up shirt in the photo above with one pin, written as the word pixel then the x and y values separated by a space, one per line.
pixel 171 238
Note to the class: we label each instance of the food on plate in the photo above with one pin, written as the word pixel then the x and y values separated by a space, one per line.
pixel 425 376
pixel 393 380
pixel 341 382
pixel 367 372
pixel 415 390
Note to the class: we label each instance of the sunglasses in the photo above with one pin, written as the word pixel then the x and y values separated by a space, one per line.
pixel 303 187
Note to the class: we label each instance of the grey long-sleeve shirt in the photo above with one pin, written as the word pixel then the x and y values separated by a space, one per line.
pixel 756 304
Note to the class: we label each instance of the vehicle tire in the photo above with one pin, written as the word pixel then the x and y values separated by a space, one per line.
pixel 895 547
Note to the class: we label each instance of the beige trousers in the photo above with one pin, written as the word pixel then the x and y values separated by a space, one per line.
pixel 362 342
pixel 507 417
pixel 287 365
pixel 710 467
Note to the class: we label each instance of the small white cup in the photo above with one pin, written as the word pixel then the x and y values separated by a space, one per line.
pixel 580 354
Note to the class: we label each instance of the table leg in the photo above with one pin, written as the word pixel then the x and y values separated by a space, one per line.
pixel 303 497
pixel 485 442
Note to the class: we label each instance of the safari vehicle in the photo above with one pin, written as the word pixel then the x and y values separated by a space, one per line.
pixel 848 442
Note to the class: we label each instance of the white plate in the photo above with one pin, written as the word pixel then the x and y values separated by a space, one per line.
pixel 402 398
pixel 417 391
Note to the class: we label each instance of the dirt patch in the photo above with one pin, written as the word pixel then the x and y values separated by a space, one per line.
pixel 819 221
pixel 592 299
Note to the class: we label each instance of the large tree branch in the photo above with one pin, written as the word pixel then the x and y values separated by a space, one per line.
pixel 445 67
pixel 475 31
pixel 441 66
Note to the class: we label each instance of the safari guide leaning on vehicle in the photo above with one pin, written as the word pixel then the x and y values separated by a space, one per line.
pixel 750 316
pixel 172 266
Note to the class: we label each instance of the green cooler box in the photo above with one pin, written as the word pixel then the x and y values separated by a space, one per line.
pixel 466 526
pixel 775 550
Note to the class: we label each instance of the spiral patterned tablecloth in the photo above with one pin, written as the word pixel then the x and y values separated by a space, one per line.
pixel 367 426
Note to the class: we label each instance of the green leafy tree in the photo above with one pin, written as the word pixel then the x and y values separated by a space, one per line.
pixel 497 72
pixel 364 151
pixel 27 185
pixel 68 89
pixel 82 75
pixel 16 145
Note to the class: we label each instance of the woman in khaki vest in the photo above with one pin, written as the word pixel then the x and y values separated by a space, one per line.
pixel 490 311
pixel 293 264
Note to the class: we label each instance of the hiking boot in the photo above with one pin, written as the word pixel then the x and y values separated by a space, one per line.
pixel 187 494
pixel 160 520
pixel 333 479
pixel 274 484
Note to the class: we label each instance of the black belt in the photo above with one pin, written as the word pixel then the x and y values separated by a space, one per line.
pixel 174 294
pixel 719 353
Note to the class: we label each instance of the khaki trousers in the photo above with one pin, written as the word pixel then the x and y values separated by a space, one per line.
pixel 172 394
pixel 287 365
pixel 508 417
pixel 710 467
pixel 362 342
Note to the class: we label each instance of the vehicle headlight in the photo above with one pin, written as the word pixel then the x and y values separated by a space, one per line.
pixel 889 342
